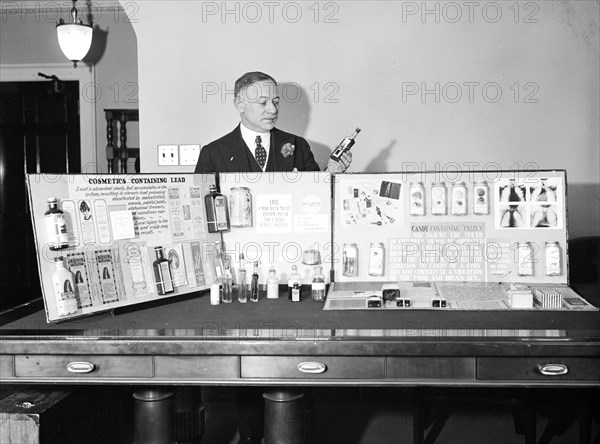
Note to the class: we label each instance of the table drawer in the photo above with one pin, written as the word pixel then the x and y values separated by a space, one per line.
pixel 538 369
pixel 6 366
pixel 430 368
pixel 83 366
pixel 193 367
pixel 313 367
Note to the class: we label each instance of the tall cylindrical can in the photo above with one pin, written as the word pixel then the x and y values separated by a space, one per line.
pixel 376 259
pixel 439 199
pixel 240 207
pixel 350 260
pixel 525 258
pixel 481 198
pixel 417 199
pixel 553 259
pixel 459 199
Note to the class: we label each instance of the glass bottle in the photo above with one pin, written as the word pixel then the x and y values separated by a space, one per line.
pixel 162 273
pixel 295 285
pixel 272 284
pixel 254 284
pixel 459 199
pixel 318 285
pixel 376 259
pixel 56 226
pixel 525 258
pixel 219 261
pixel 350 260
pixel 439 199
pixel 553 259
pixel 344 145
pixel 242 290
pixel 63 284
pixel 226 282
pixel 481 203
pixel 217 212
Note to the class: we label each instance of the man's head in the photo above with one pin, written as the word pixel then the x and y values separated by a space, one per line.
pixel 257 101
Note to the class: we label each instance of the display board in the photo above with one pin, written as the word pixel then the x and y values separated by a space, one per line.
pixel 279 219
pixel 468 226
pixel 97 243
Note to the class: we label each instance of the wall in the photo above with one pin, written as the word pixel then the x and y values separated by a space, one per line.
pixel 28 36
pixel 434 85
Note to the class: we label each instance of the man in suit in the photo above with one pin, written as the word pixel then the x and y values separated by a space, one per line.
pixel 255 145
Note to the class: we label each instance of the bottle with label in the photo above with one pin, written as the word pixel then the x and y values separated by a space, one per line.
pixel 219 261
pixel 376 259
pixel 63 284
pixel 344 145
pixel 242 290
pixel 350 260
pixel 162 273
pixel 525 258
pixel 417 199
pixel 459 199
pixel 226 283
pixel 217 212
pixel 254 290
pixel 272 284
pixel 439 199
pixel 481 194
pixel 318 285
pixel 295 285
pixel 56 226
pixel 553 259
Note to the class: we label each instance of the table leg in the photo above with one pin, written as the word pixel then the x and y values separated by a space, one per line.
pixel 153 416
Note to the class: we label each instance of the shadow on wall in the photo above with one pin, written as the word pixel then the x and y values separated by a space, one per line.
pixel 583 209
pixel 98 47
pixel 294 117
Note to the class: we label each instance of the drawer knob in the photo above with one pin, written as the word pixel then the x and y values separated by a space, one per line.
pixel 553 369
pixel 312 367
pixel 80 367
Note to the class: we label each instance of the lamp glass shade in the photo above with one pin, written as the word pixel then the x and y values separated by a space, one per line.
pixel 74 39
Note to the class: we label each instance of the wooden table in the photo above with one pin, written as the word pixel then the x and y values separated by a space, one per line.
pixel 280 343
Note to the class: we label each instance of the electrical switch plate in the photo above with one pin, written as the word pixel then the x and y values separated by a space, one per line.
pixel 168 155
pixel 188 154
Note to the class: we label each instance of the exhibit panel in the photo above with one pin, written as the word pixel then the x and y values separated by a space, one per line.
pixel 107 241
pixel 458 239
pixel 279 220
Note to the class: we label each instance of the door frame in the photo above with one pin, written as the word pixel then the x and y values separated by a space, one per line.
pixel 86 76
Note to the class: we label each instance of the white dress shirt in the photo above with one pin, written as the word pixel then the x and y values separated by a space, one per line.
pixel 249 137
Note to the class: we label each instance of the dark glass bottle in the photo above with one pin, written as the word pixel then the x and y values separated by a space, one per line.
pixel 217 212
pixel 162 273
pixel 56 227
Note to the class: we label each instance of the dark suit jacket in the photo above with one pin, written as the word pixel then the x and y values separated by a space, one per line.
pixel 230 154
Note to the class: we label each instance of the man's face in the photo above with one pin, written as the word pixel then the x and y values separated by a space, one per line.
pixel 258 105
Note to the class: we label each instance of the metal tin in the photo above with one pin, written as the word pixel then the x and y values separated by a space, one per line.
pixel 525 258
pixel 553 259
pixel 459 199
pixel 439 199
pixel 376 259
pixel 481 198
pixel 240 207
pixel 417 199
pixel 350 260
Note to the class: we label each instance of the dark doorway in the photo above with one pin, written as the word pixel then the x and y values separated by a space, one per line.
pixel 39 133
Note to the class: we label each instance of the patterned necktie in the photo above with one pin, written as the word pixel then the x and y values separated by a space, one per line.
pixel 260 153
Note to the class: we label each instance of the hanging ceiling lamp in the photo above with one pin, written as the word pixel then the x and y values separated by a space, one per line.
pixel 74 38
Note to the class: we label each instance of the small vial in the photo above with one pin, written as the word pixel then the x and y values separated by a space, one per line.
pixel 226 295
pixel 318 285
pixel 215 294
pixel 254 284
pixel 242 289
pixel 295 285
pixel 439 199
pixel 272 284
pixel 553 259
pixel 481 201
pixel 459 199
pixel 525 258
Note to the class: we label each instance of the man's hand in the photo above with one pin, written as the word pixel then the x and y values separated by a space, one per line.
pixel 339 166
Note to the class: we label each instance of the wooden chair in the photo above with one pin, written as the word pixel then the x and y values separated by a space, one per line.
pixel 117 156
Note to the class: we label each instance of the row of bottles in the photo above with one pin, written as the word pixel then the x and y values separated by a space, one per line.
pixel 251 291
pixel 458 199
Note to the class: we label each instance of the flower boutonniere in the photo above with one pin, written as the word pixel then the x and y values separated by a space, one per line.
pixel 287 150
